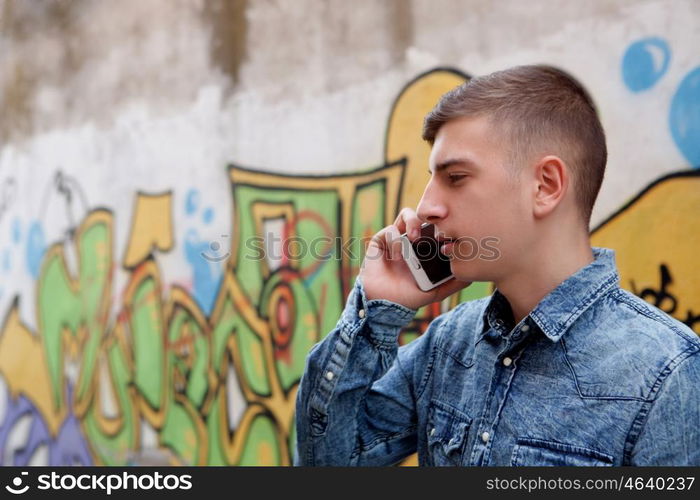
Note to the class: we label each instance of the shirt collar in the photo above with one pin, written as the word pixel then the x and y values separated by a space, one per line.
pixel 557 311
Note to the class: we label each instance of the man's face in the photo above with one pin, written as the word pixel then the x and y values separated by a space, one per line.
pixel 474 195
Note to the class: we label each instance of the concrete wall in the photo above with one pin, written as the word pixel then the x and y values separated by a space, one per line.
pixel 142 142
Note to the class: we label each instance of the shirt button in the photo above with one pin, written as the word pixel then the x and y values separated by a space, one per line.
pixel 432 431
pixel 361 313
pixel 485 437
pixel 525 328
pixel 329 375
pixel 507 361
pixel 493 336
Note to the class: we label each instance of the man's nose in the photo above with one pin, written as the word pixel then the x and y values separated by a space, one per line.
pixel 431 208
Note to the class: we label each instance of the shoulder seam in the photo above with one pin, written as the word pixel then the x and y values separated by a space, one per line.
pixel 619 294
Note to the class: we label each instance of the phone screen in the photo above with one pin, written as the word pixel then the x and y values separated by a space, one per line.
pixel 426 248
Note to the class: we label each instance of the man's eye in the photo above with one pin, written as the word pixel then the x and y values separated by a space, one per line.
pixel 455 177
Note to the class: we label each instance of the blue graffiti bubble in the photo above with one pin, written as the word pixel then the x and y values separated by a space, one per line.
pixel 35 248
pixel 16 230
pixel 208 215
pixel 684 118
pixel 644 63
pixel 207 269
pixel 192 202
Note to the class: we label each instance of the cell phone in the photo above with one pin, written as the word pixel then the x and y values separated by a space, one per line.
pixel 428 265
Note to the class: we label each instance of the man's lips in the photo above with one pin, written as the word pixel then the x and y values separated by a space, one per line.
pixel 446 247
pixel 445 242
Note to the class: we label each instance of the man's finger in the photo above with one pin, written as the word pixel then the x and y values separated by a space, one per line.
pixel 409 223
pixel 399 221
pixel 393 237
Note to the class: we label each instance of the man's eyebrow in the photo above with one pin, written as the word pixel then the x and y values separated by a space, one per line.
pixel 453 161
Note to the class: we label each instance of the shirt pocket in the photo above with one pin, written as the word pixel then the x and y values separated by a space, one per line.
pixel 536 452
pixel 447 430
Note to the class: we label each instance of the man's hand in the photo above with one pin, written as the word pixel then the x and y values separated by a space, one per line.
pixel 385 274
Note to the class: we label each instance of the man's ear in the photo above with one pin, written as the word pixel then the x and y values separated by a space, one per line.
pixel 551 184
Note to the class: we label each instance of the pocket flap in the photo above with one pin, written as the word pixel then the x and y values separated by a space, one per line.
pixel 529 452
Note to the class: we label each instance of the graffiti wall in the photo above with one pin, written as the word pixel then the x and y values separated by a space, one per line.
pixel 159 290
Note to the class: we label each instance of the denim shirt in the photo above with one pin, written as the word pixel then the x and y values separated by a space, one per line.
pixel 592 376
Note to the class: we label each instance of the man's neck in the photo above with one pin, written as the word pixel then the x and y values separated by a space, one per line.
pixel 543 272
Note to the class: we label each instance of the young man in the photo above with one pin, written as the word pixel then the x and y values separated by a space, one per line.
pixel 559 366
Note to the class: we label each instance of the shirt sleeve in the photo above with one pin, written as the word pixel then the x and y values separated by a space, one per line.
pixel 671 432
pixel 355 404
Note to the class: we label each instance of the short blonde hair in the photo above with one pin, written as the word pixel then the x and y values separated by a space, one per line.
pixel 541 110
